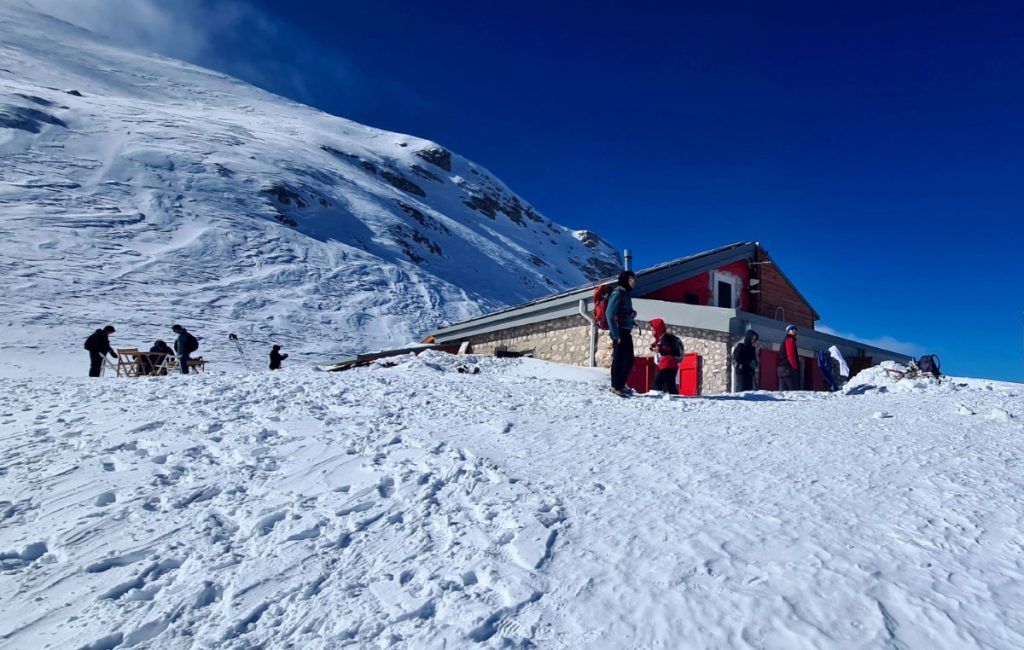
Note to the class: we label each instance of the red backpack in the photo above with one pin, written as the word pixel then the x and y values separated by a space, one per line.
pixel 601 294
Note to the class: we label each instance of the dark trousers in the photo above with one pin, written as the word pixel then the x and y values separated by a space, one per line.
pixel 622 360
pixel 95 363
pixel 744 379
pixel 183 360
pixel 787 378
pixel 665 381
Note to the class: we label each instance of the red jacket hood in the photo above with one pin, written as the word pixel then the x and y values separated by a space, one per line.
pixel 658 326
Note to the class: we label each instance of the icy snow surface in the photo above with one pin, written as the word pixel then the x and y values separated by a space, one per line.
pixel 142 191
pixel 419 506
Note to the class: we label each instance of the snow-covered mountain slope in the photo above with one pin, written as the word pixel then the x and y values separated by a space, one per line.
pixel 143 191
pixel 417 506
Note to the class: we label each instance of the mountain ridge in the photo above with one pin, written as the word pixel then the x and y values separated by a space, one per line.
pixel 142 190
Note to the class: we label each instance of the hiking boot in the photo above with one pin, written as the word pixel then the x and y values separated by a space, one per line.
pixel 615 391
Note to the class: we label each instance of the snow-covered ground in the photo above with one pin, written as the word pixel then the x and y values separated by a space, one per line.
pixel 423 502
pixel 459 502
pixel 142 191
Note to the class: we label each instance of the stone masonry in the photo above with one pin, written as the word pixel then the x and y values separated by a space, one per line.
pixel 562 340
pixel 567 340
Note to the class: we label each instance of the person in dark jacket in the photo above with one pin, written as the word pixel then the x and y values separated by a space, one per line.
pixel 620 316
pixel 98 345
pixel 744 355
pixel 667 352
pixel 276 357
pixel 184 345
pixel 789 363
pixel 156 356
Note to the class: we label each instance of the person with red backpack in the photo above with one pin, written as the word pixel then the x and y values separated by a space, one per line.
pixel 668 352
pixel 620 316
pixel 789 362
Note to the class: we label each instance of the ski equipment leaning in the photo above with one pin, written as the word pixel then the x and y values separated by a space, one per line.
pixel 238 346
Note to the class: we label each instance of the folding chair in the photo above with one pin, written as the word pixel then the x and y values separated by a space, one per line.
pixel 161 363
pixel 128 362
pixel 170 363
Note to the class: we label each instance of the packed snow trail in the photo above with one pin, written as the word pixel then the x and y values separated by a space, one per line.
pixel 417 506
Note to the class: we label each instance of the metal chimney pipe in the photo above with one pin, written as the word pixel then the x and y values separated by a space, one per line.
pixel 627 260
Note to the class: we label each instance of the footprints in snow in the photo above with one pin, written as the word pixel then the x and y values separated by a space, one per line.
pixel 360 537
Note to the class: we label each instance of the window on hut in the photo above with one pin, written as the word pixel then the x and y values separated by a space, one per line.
pixel 725 294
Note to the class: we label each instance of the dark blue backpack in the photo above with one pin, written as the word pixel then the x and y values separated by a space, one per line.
pixel 929 363
pixel 825 365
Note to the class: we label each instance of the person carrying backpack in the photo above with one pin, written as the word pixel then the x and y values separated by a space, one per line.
pixel 620 316
pixel 276 357
pixel 789 362
pixel 668 352
pixel 184 346
pixel 744 355
pixel 98 345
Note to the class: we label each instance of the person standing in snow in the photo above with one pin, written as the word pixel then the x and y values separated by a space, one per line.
pixel 620 316
pixel 745 358
pixel 276 357
pixel 98 345
pixel 184 346
pixel 789 364
pixel 668 350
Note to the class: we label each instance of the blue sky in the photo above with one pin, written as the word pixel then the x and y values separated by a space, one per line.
pixel 876 151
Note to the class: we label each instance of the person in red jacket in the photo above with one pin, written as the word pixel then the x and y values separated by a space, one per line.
pixel 789 364
pixel 668 350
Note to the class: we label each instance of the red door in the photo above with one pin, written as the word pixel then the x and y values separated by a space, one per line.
pixel 768 378
pixel 817 376
pixel 641 377
pixel 689 374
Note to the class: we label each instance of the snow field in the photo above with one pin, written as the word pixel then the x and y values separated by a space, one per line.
pixel 418 506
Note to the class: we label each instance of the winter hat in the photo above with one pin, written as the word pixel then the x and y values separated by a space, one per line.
pixel 624 278
pixel 658 325
pixel 791 326
pixel 176 328
pixel 276 347
pixel 109 329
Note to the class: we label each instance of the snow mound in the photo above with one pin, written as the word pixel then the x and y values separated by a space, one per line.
pixel 879 378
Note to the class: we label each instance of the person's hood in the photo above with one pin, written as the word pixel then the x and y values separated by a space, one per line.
pixel 658 326
pixel 748 337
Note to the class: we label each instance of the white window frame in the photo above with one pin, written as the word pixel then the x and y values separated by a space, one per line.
pixel 728 278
